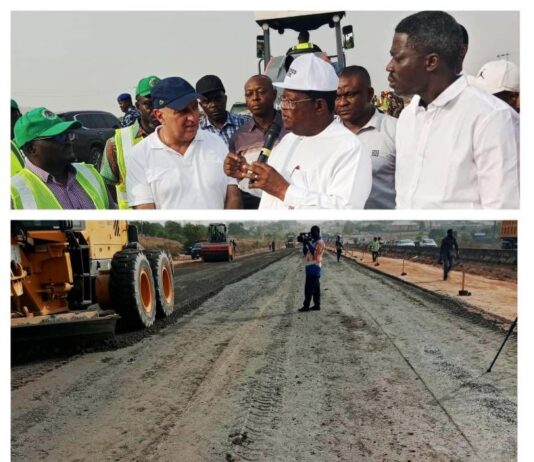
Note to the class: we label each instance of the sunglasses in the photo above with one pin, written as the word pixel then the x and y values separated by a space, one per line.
pixel 62 138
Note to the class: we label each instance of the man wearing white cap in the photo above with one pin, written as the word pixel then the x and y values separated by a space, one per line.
pixel 320 163
pixel 501 79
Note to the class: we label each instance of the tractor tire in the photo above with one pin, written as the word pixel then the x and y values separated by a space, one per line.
pixel 132 288
pixel 162 270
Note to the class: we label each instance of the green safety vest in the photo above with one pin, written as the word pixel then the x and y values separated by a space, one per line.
pixel 125 140
pixel 28 191
pixel 374 246
pixel 17 159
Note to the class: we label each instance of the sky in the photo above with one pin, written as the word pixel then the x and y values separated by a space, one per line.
pixel 83 59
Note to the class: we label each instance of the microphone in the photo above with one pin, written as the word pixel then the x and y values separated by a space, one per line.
pixel 270 138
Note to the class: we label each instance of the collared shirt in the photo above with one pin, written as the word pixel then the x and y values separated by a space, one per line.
pixel 248 140
pixel 131 115
pixel 233 122
pixel 330 170
pixel 378 135
pixel 157 174
pixel 70 195
pixel 110 169
pixel 462 151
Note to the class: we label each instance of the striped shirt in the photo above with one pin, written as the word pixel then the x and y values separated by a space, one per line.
pixel 70 195
pixel 232 124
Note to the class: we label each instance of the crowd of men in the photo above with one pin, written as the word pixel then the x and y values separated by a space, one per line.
pixel 454 145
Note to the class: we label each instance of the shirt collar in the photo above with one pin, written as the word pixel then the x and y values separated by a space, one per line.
pixel 48 177
pixel 374 121
pixel 450 93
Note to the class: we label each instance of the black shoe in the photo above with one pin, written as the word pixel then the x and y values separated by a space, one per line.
pixel 304 308
pixel 315 308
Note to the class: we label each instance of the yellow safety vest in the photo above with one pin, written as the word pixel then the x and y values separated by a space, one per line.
pixel 303 46
pixel 125 139
pixel 17 159
pixel 28 191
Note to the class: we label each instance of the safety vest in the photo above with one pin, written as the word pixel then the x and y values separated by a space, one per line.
pixel 374 246
pixel 17 159
pixel 303 46
pixel 28 191
pixel 125 139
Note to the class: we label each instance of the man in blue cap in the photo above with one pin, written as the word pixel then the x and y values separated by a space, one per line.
pixel 131 114
pixel 179 166
pixel 50 179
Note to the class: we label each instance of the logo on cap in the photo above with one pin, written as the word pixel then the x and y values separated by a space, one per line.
pixel 161 102
pixel 153 81
pixel 291 72
pixel 48 114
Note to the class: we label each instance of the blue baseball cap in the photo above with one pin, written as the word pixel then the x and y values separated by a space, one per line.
pixel 173 92
pixel 124 97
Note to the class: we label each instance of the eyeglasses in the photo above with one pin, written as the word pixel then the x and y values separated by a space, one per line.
pixel 62 138
pixel 290 104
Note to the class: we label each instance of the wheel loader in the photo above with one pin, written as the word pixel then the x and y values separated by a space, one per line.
pixel 72 278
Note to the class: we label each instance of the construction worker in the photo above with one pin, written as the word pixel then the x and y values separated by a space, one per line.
pixel 117 149
pixel 374 247
pixel 339 247
pixel 304 45
pixel 313 250
pixel 448 244
pixel 17 158
pixel 49 179
pixel 218 120
pixel 131 114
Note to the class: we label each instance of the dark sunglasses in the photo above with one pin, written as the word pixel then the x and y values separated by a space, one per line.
pixel 62 138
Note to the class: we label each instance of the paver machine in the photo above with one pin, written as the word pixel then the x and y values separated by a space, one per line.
pixel 72 278
pixel 218 247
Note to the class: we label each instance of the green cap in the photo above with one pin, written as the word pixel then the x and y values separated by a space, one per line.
pixel 14 104
pixel 41 123
pixel 144 87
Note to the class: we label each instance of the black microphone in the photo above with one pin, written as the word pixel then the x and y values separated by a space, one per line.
pixel 272 134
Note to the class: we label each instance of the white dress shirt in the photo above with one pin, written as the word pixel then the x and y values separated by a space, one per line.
pixel 331 170
pixel 461 152
pixel 157 174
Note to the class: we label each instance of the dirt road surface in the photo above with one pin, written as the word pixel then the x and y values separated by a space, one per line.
pixel 384 372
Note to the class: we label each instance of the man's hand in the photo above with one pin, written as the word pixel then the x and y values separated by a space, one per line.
pixel 233 165
pixel 266 178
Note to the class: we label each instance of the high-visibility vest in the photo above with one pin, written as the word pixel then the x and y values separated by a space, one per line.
pixel 125 139
pixel 28 191
pixel 302 46
pixel 17 159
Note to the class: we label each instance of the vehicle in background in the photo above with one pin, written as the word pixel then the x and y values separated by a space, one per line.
pixel 195 250
pixel 97 127
pixel 508 234
pixel 290 241
pixel 218 247
pixel 404 243
pixel 240 108
pixel 427 242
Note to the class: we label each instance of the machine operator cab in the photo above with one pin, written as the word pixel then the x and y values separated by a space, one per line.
pixel 299 21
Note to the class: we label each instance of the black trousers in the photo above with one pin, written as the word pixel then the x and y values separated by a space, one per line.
pixel 375 255
pixel 312 288
pixel 448 262
pixel 338 252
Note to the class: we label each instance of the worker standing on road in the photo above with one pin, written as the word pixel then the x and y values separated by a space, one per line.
pixel 457 146
pixel 218 120
pixel 249 139
pixel 320 164
pixel 131 114
pixel 273 246
pixel 375 130
pixel 179 166
pixel 119 147
pixel 374 247
pixel 17 158
pixel 448 244
pixel 339 247
pixel 313 249
pixel 50 179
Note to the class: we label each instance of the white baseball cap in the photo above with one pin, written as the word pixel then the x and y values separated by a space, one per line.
pixel 497 76
pixel 309 73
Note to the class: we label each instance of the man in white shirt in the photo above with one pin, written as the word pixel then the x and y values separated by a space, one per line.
pixel 375 130
pixel 457 147
pixel 179 166
pixel 320 164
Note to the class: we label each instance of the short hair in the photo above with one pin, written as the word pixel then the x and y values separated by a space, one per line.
pixel 264 77
pixel 356 71
pixel 304 35
pixel 433 32
pixel 315 229
pixel 465 35
pixel 328 96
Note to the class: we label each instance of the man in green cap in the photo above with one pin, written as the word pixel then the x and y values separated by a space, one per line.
pixel 50 179
pixel 113 168
pixel 17 159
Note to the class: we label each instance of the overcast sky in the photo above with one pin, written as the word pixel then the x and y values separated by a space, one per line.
pixel 83 60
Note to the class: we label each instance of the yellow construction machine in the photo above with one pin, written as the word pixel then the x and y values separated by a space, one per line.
pixel 72 278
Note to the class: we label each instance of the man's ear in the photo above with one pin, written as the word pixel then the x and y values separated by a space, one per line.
pixel 432 62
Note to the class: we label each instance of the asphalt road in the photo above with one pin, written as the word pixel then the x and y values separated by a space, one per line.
pixel 383 372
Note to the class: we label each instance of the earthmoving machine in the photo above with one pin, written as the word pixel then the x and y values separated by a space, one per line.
pixel 218 247
pixel 290 241
pixel 508 234
pixel 299 21
pixel 73 278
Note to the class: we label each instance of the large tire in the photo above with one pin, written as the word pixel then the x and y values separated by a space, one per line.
pixel 162 270
pixel 132 288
